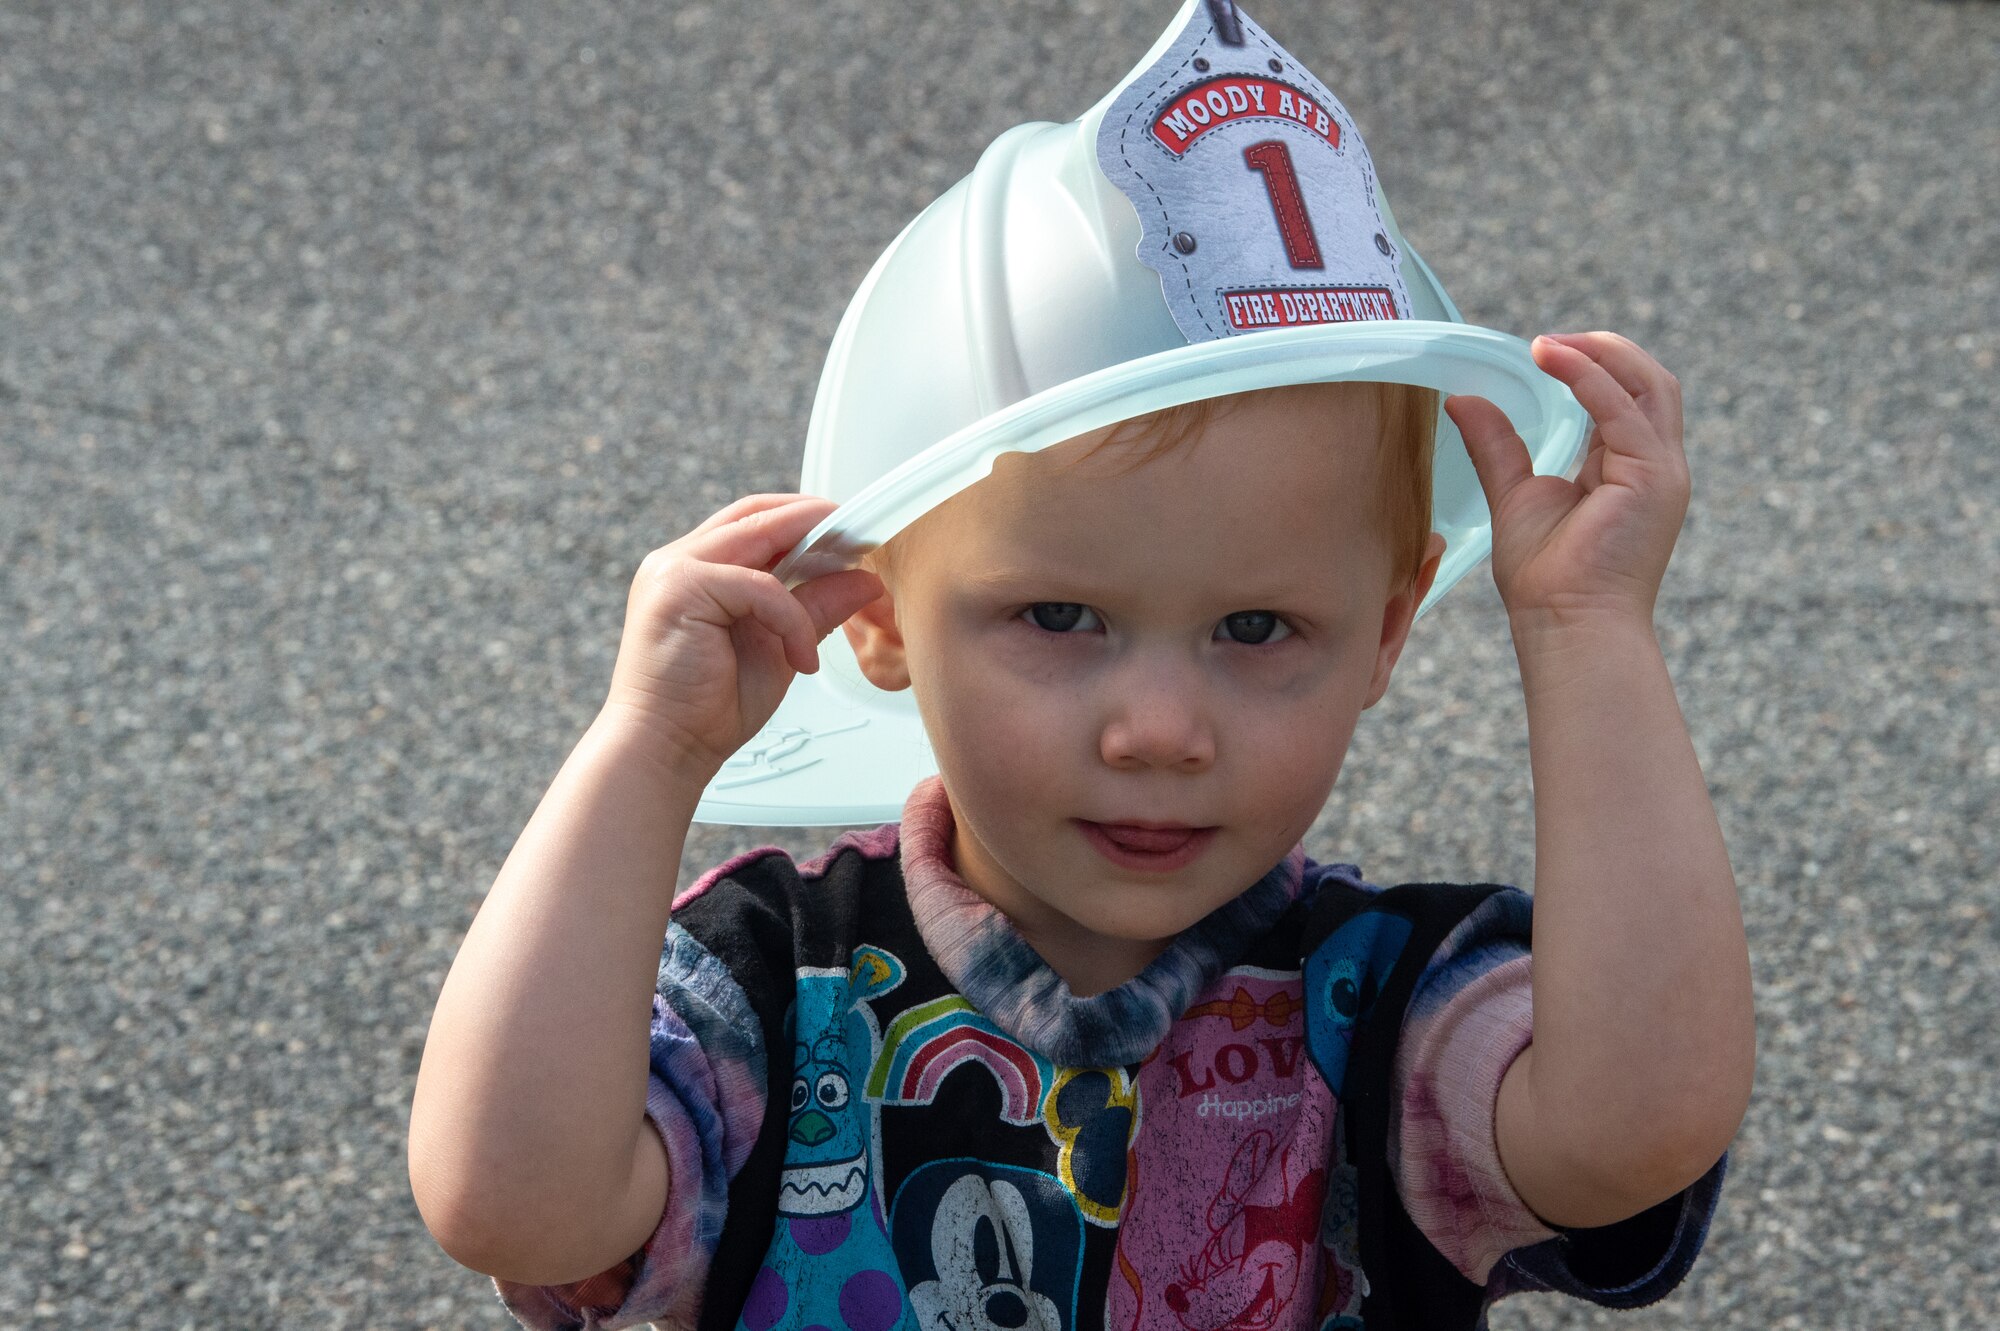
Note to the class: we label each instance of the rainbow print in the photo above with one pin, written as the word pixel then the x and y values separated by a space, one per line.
pixel 926 1043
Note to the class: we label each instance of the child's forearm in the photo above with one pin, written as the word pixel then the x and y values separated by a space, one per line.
pixel 529 1154
pixel 1644 1042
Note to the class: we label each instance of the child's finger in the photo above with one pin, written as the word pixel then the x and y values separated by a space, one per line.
pixel 748 593
pixel 1656 392
pixel 832 597
pixel 758 539
pixel 1499 456
pixel 1623 359
pixel 1591 474
pixel 1625 428
pixel 743 508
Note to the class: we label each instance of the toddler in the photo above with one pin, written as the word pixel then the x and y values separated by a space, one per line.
pixel 1085 1039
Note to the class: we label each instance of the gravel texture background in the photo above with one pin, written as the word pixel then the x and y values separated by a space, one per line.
pixel 351 357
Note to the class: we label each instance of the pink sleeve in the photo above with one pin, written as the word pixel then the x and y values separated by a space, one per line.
pixel 1455 1048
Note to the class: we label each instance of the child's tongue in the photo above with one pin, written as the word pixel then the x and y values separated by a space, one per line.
pixel 1146 839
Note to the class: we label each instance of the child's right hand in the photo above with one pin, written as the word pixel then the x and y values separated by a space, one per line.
pixel 712 640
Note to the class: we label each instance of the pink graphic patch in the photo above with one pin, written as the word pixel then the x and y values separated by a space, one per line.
pixel 1229 1168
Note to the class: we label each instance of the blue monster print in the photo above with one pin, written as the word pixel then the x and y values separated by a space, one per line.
pixel 1343 977
pixel 830 1264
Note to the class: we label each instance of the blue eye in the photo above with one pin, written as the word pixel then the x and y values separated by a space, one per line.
pixel 1061 616
pixel 1349 992
pixel 1253 627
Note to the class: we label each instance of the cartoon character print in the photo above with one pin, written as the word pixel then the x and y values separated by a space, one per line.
pixel 1227 1172
pixel 927 1043
pixel 989 1247
pixel 1344 976
pixel 830 1264
pixel 1092 1112
pixel 1262 1224
pixel 1343 1285
pixel 1089 1112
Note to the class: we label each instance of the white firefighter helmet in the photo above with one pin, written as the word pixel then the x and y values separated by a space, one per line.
pixel 1213 225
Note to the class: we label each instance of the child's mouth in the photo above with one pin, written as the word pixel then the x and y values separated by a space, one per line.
pixel 1158 849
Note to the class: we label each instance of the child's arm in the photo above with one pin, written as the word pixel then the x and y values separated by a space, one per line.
pixel 530 1157
pixel 1644 1041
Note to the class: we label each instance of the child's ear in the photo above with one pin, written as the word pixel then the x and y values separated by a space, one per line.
pixel 878 643
pixel 1398 615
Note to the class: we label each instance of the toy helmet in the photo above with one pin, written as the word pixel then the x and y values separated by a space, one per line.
pixel 1211 226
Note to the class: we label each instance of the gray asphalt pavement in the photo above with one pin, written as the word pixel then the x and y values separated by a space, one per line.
pixel 351 358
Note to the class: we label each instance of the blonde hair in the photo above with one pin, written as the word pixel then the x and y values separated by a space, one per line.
pixel 1406 436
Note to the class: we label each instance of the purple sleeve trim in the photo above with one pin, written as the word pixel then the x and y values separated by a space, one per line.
pixel 879 843
pixel 722 871
pixel 1627 1265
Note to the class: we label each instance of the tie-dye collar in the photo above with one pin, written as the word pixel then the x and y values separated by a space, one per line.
pixel 986 958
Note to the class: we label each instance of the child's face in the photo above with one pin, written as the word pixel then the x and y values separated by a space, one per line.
pixel 1186 643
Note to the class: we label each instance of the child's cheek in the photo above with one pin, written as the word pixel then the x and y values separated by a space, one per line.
pixel 1282 677
pixel 993 690
pixel 1298 720
pixel 1011 655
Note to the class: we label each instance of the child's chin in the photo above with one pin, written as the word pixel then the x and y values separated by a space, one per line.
pixel 1145 922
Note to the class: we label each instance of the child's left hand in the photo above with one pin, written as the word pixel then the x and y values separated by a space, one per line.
pixel 1575 551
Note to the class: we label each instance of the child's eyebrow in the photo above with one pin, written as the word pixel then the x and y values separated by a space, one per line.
pixel 1007 577
pixel 1053 584
pixel 1043 584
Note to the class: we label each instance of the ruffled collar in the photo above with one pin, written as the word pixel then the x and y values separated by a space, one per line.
pixel 991 964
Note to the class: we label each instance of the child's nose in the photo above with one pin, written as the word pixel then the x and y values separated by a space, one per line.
pixel 1157 723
